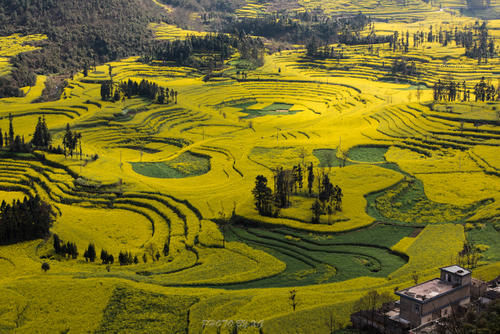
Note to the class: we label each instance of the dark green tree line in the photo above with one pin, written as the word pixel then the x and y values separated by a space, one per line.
pixel 25 220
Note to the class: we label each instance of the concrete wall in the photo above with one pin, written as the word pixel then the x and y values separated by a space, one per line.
pixel 419 313
pixel 458 295
pixel 408 311
pixel 455 279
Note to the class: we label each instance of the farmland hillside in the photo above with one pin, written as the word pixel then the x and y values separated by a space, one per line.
pixel 79 33
pixel 247 166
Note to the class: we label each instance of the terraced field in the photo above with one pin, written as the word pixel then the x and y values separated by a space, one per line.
pixel 412 11
pixel 172 183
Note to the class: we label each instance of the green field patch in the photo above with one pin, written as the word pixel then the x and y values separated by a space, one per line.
pixel 368 153
pixel 313 258
pixel 328 157
pixel 136 311
pixel 406 202
pixel 185 165
pixel 142 149
pixel 489 236
pixel 276 108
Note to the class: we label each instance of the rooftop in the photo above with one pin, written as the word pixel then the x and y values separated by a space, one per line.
pixel 456 270
pixel 426 290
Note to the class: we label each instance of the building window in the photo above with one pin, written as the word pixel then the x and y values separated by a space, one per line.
pixel 417 308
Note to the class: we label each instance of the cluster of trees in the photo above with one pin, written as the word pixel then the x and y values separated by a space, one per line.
pixel 71 140
pixel 68 249
pixel 41 137
pixel 206 52
pixel 401 66
pixel 145 88
pixel 206 6
pixel 149 90
pixel 322 50
pixel 469 255
pixel 329 199
pixel 10 84
pixel 288 182
pixel 297 28
pixel 476 40
pixel 107 258
pixel 90 253
pixel 79 33
pixel 264 200
pixel 478 4
pixel 479 45
pixel 124 257
pixel 315 50
pixel 399 43
pixel 14 143
pixel 452 91
pixel 484 91
pixel 285 182
pixel 371 302
pixel 473 320
pixel 29 219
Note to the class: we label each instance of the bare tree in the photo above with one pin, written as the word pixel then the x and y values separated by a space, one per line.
pixel 332 323
pixel 293 298
pixel 415 276
pixel 302 155
pixel 371 302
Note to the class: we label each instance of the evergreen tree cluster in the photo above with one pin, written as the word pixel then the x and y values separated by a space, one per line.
pixel 325 51
pixel 318 50
pixel 297 28
pixel 68 249
pixel 486 92
pixel 145 88
pixel 71 140
pixel 263 196
pixel 288 182
pixel 398 42
pixel 126 258
pixel 90 253
pixel 41 137
pixel 207 7
pixel 182 51
pixel 329 199
pixel 107 258
pixel 453 90
pixel 476 40
pixel 29 219
pixel 193 50
pixel 19 146
pixel 14 143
